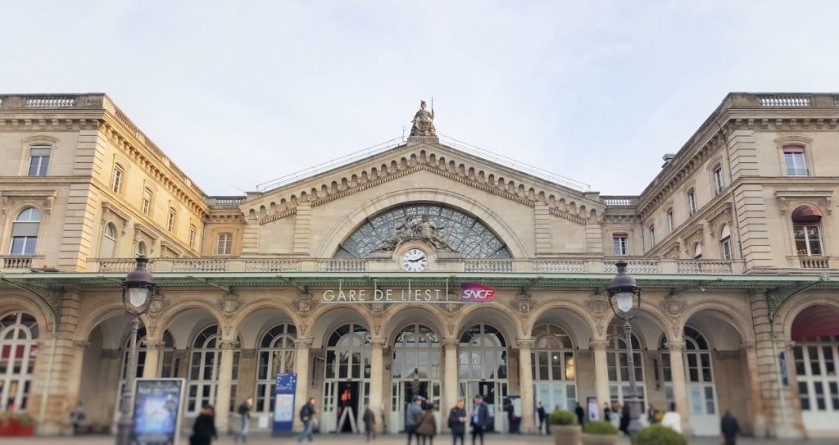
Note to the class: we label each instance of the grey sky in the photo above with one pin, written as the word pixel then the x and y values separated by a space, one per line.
pixel 239 93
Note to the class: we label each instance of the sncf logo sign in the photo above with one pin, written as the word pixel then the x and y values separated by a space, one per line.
pixel 475 292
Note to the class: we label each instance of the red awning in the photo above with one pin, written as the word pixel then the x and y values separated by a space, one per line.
pixel 806 214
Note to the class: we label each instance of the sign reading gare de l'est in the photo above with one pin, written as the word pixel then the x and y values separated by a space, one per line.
pixel 469 293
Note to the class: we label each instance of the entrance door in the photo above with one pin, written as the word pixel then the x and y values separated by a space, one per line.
pixel 493 393
pixel 402 394
pixel 346 384
pixel 416 367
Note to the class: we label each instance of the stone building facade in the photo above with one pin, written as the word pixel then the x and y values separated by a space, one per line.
pixel 370 280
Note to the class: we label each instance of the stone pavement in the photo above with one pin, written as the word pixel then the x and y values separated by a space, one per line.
pixel 332 439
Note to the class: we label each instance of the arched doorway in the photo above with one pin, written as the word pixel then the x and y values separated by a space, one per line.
pixel 276 355
pixel 346 385
pixel 554 368
pixel 482 368
pixel 204 368
pixel 416 370
pixel 699 382
pixel 618 369
pixel 815 332
pixel 18 350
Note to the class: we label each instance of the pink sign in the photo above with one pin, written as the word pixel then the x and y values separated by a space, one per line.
pixel 476 292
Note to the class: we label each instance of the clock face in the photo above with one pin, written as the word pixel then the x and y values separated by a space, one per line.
pixel 414 260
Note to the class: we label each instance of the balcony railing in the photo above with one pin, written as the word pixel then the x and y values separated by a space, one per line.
pixel 18 263
pixel 814 262
pixel 560 265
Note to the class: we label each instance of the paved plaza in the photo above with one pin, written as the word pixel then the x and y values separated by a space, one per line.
pixel 332 439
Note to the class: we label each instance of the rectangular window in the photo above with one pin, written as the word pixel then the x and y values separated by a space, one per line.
pixel 726 248
pixel 23 245
pixel 170 222
pixel 670 225
pixel 146 205
pixel 225 244
pixel 718 184
pixel 620 244
pixel 191 236
pixel 116 180
pixel 652 235
pixel 795 162
pixel 691 202
pixel 39 160
pixel 807 239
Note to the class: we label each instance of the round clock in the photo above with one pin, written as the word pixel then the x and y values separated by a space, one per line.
pixel 414 260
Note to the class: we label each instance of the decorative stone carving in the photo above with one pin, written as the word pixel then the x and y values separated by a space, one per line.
pixel 156 306
pixel 303 342
pixel 676 345
pixel 450 342
pixel 305 304
pixel 228 344
pixel 673 305
pixel 523 304
pixel 451 327
pixel 597 304
pixel 599 344
pixel 376 309
pixel 230 303
pixel 422 230
pixel 423 123
pixel 155 345
pixel 377 342
pixel 525 344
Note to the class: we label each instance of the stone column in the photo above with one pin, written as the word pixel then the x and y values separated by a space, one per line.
pixel 680 391
pixel 757 408
pixel 450 381
pixel 301 368
pixel 376 379
pixel 225 380
pixel 526 385
pixel 152 358
pixel 601 373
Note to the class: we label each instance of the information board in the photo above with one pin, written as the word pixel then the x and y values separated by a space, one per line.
pixel 157 411
pixel 285 388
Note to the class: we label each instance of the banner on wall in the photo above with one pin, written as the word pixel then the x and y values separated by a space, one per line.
pixel 157 411
pixel 286 386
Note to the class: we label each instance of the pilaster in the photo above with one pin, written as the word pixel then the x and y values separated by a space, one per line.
pixel 225 381
pixel 601 371
pixel 526 385
pixel 303 228
pixel 680 392
pixel 450 380
pixel 542 229
pixel 301 367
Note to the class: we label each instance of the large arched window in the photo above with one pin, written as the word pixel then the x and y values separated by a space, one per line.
pixel 347 376
pixel 18 350
pixel 699 380
pixel 458 231
pixel 417 359
pixel 109 241
pixel 276 355
pixel 25 232
pixel 166 365
pixel 204 371
pixel 554 367
pixel 806 226
pixel 482 367
pixel 618 368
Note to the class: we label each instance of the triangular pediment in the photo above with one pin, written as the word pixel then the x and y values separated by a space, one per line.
pixel 424 154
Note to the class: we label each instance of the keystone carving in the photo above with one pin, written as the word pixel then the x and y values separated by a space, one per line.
pixel 230 303
pixel 673 305
pixel 597 304
pixel 523 303
pixel 305 304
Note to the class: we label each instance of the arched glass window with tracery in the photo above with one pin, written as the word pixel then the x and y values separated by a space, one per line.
pixel 18 350
pixel 699 379
pixel 617 364
pixel 416 368
pixel 276 355
pixel 463 233
pixel 166 365
pixel 554 367
pixel 482 367
pixel 347 374
pixel 204 371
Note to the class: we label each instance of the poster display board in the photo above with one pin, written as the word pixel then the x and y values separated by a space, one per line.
pixel 593 408
pixel 158 404
pixel 286 386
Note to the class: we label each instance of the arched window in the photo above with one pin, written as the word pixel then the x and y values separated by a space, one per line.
pixel 166 365
pixel 554 367
pixel 806 222
pixel 204 371
pixel 276 355
pixel 699 377
pixel 725 242
pixel 25 232
pixel 19 346
pixel 618 368
pixel 482 367
pixel 346 374
pixel 224 246
pixel 109 241
pixel 39 160
pixel 697 251
pixel 416 368
pixel 141 248
pixel 117 177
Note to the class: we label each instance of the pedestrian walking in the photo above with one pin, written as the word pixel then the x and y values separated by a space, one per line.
pixel 540 413
pixel 581 414
pixel 624 425
pixel 245 421
pixel 480 419
pixel 369 424
pixel 457 422
pixel 307 414
pixel 204 428
pixel 730 428
pixel 77 416
pixel 413 415
pixel 427 428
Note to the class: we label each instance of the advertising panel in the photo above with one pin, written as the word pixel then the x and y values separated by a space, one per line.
pixel 157 411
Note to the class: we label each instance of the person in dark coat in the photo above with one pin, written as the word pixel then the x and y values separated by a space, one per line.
pixel 427 428
pixel 540 412
pixel 730 428
pixel 457 422
pixel 480 419
pixel 369 423
pixel 624 425
pixel 581 414
pixel 204 428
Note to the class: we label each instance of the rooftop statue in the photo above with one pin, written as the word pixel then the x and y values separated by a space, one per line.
pixel 423 122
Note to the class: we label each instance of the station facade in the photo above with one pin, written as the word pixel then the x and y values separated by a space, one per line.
pixel 426 268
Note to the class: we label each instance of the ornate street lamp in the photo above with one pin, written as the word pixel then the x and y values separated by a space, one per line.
pixel 137 290
pixel 623 294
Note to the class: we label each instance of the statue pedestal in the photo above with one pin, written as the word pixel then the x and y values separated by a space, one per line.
pixel 423 140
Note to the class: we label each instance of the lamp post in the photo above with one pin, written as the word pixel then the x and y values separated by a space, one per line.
pixel 623 293
pixel 137 290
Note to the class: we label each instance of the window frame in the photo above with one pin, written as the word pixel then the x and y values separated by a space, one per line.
pixel 620 244
pixel 725 243
pixel 788 152
pixel 652 235
pixel 191 235
pixel 227 248
pixel 172 220
pixel 671 225
pixel 691 197
pixel 21 233
pixel 719 182
pixel 43 167
pixel 117 178
pixel 146 201
pixel 808 222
